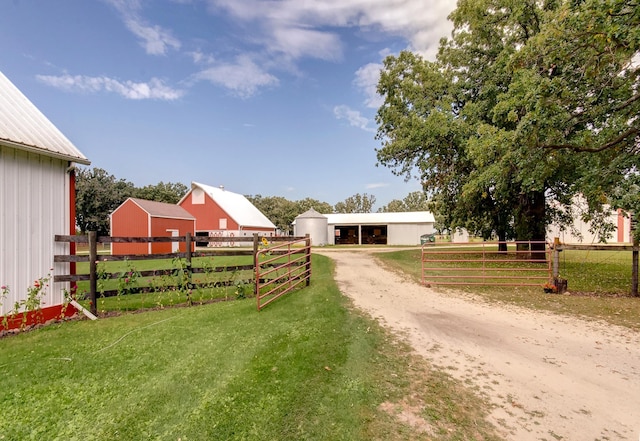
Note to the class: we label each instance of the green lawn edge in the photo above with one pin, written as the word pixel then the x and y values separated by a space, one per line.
pixel 308 367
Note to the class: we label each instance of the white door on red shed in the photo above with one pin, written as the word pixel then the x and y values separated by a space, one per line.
pixel 175 246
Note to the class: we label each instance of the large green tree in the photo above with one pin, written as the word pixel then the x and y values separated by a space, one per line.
pixel 98 193
pixel 528 104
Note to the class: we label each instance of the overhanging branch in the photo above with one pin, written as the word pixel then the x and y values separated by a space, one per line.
pixel 577 148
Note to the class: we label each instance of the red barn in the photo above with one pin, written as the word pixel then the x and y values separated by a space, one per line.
pixel 222 212
pixel 142 218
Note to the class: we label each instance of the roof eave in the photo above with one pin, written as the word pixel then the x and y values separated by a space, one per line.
pixel 44 152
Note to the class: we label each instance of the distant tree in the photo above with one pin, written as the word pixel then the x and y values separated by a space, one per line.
pixel 308 203
pixel 97 194
pixel 414 201
pixel 169 192
pixel 356 204
pixel 277 209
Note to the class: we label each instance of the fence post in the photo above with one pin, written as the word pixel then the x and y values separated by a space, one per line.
pixel 556 258
pixel 308 258
pixel 256 244
pixel 93 263
pixel 634 269
pixel 187 259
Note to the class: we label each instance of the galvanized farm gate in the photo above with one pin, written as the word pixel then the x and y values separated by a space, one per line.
pixel 281 268
pixel 521 263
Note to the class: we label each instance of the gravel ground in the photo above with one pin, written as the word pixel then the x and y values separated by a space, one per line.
pixel 549 377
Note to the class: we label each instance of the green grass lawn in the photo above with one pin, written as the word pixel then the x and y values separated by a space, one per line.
pixel 599 284
pixel 305 368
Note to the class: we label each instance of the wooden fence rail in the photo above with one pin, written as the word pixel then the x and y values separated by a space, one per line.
pixel 185 273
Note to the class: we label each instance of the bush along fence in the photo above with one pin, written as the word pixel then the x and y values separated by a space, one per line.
pixel 102 283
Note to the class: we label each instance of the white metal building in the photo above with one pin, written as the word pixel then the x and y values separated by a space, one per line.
pixel 379 228
pixel 37 200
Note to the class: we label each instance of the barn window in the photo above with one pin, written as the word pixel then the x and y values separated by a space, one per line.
pixel 223 223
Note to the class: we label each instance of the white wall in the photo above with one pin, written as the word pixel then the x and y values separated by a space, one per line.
pixel 407 234
pixel 34 206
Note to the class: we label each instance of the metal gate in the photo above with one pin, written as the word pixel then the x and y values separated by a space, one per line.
pixel 282 268
pixel 521 263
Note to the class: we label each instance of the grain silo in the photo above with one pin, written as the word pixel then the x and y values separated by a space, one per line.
pixel 312 223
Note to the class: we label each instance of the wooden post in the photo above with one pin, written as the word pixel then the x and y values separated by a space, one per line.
pixel 556 258
pixel 256 245
pixel 634 269
pixel 93 264
pixel 308 258
pixel 188 263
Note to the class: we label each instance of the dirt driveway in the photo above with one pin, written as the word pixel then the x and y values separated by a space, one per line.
pixel 549 377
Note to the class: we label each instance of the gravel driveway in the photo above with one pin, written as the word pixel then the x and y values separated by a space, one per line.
pixel 549 377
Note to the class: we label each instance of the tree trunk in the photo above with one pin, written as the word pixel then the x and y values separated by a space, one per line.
pixel 530 225
pixel 502 241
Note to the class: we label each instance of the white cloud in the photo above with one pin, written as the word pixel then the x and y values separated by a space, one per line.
pixel 154 39
pixel 201 58
pixel 376 185
pixel 367 81
pixel 421 23
pixel 298 42
pixel 154 89
pixel 354 117
pixel 243 77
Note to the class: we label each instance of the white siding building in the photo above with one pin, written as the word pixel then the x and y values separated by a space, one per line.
pixel 379 228
pixel 36 200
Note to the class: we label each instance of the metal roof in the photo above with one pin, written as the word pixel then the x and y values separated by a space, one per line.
pixel 236 206
pixel 24 127
pixel 162 209
pixel 311 214
pixel 409 217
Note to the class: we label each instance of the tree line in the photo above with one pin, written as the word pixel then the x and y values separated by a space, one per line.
pixel 99 193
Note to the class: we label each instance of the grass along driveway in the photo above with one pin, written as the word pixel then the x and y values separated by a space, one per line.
pixel 306 368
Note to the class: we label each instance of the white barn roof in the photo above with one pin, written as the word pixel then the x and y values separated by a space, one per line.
pixel 409 217
pixel 236 206
pixel 24 127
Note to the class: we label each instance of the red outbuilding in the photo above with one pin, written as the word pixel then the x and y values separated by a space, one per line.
pixel 142 218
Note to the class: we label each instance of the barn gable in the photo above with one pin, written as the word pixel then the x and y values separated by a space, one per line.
pixel 36 201
pixel 217 209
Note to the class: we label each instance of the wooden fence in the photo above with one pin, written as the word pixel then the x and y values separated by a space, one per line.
pixel 182 276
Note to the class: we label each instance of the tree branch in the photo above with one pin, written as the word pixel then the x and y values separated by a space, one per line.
pixel 576 148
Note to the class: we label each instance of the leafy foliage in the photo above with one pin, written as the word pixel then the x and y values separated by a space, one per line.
pixel 282 211
pixel 356 204
pixel 528 105
pixel 414 201
pixel 98 193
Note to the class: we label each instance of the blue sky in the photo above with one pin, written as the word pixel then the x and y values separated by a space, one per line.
pixel 270 97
